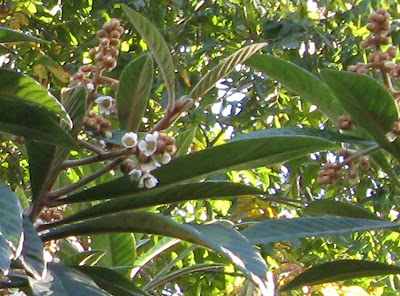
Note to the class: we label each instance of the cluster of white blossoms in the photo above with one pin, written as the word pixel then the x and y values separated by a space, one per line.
pixel 149 153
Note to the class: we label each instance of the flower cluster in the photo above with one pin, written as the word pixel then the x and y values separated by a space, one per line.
pixel 332 172
pixel 97 124
pixel 379 27
pixel 107 105
pixel 345 123
pixel 149 153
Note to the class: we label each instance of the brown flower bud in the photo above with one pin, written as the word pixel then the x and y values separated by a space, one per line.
pixel 114 42
pixel 102 33
pixel 105 41
pixel 115 34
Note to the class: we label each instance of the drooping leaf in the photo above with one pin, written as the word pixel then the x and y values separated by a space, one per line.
pixel 32 252
pixel 221 239
pixel 8 35
pixel 299 81
pixel 10 219
pixel 340 270
pixel 112 281
pixel 21 119
pixel 224 68
pixel 158 47
pixel 45 160
pixel 178 193
pixel 329 207
pixel 262 148
pixel 121 249
pixel 15 85
pixel 65 281
pixel 368 103
pixel 133 92
pixel 274 230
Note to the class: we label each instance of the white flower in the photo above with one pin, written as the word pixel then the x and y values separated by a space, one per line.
pixel 129 140
pixel 149 145
pixel 150 166
pixel 148 181
pixel 165 158
pixel 135 174
pixel 90 86
pixel 105 103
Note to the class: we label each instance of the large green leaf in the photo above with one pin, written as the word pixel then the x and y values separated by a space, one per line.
pixel 121 249
pixel 158 47
pixel 45 160
pixel 65 281
pixel 133 92
pixel 32 252
pixel 178 193
pixel 112 281
pixel 274 230
pixel 368 102
pixel 10 219
pixel 224 68
pixel 22 119
pixel 15 85
pixel 8 35
pixel 88 258
pixel 252 150
pixel 219 238
pixel 299 81
pixel 5 254
pixel 338 271
pixel 330 207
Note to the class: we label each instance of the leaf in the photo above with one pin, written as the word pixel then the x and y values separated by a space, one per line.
pixel 22 119
pixel 369 104
pixel 65 281
pixel 287 229
pixel 182 192
pixel 5 256
pixel 121 249
pixel 338 208
pixel 15 85
pixel 88 258
pixel 158 47
pixel 112 281
pixel 184 140
pixel 221 239
pixel 299 81
pixel 263 148
pixel 32 258
pixel 44 160
pixel 133 92
pixel 340 270
pixel 224 68
pixel 10 219
pixel 162 245
pixel 8 36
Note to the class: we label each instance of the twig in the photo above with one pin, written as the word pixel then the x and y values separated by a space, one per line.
pixel 88 146
pixel 57 193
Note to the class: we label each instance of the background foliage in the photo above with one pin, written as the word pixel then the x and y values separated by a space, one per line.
pixel 255 179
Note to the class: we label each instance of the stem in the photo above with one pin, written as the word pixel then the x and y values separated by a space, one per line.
pixel 57 193
pixel 91 147
pixel 359 154
pixel 96 158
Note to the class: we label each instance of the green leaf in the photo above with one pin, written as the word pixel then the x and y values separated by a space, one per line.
pixel 10 219
pixel 184 140
pixel 178 193
pixel 224 68
pixel 121 249
pixel 65 281
pixel 329 207
pixel 32 258
pixel 299 81
pixel 158 47
pixel 368 103
pixel 133 92
pixel 340 270
pixel 112 281
pixel 45 160
pixel 287 229
pixel 221 239
pixel 8 36
pixel 5 254
pixel 15 85
pixel 252 150
pixel 88 258
pixel 22 119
